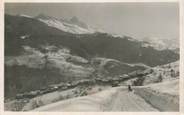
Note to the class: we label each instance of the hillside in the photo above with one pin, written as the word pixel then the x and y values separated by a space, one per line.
pixel 164 73
pixel 153 96
pixel 84 45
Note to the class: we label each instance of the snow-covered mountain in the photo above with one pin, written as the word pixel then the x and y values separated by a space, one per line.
pixel 161 43
pixel 75 26
pixel 155 42
pixel 72 26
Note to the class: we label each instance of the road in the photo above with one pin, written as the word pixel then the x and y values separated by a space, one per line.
pixel 128 101
pixel 110 100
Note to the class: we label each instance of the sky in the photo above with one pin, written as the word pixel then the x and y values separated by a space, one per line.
pixel 138 20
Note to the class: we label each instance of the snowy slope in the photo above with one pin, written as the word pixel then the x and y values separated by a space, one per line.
pixel 62 59
pixel 64 25
pixel 163 73
pixel 169 87
pixel 155 42
pixel 161 43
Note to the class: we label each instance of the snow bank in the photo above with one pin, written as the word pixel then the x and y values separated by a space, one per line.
pixel 49 98
pixel 95 102
pixel 163 96
pixel 169 87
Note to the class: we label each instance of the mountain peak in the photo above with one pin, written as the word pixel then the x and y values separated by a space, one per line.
pixel 76 21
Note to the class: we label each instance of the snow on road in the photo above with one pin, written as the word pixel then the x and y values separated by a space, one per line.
pixel 115 99
pixel 128 101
